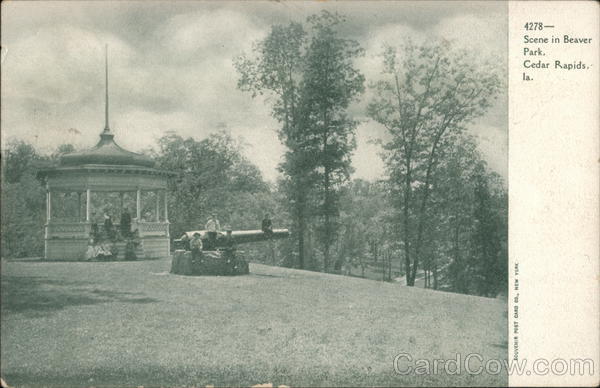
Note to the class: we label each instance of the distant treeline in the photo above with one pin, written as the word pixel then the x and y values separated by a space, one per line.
pixel 465 239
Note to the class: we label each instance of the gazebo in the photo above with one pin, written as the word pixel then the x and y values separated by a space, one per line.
pixel 87 187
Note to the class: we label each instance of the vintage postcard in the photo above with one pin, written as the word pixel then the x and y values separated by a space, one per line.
pixel 300 193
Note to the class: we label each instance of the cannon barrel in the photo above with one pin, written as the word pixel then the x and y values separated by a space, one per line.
pixel 239 236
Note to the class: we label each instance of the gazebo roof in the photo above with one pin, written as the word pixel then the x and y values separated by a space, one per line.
pixel 106 156
pixel 106 152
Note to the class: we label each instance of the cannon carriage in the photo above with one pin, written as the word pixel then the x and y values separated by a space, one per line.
pixel 219 257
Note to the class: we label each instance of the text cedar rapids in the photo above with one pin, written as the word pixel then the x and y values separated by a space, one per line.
pixel 576 65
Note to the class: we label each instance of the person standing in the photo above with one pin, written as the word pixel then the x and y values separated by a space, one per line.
pixel 108 225
pixel 229 242
pixel 125 224
pixel 212 227
pixel 267 226
pixel 95 234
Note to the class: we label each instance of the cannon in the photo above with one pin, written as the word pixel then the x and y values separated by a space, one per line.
pixel 239 237
pixel 219 256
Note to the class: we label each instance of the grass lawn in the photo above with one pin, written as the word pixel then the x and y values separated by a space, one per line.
pixel 132 323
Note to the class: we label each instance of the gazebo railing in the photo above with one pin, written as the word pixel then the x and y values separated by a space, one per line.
pixel 68 229
pixel 147 228
pixel 73 229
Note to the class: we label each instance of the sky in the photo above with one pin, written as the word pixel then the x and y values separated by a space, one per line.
pixel 171 69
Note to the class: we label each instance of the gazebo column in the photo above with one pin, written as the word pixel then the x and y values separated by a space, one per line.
pixel 138 205
pixel 157 195
pixel 48 205
pixel 88 204
pixel 79 206
pixel 166 208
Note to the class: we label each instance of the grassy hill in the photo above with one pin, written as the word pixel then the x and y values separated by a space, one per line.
pixel 132 323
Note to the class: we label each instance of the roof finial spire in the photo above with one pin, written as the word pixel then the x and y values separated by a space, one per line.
pixel 106 127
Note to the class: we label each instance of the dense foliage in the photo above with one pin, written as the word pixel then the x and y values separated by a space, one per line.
pixel 23 202
pixel 212 177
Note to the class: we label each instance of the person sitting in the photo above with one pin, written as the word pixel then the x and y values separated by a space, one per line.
pixel 212 227
pixel 267 226
pixel 104 251
pixel 229 251
pixel 92 249
pixel 95 232
pixel 196 246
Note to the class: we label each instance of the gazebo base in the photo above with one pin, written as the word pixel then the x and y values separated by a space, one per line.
pixel 74 249
pixel 212 263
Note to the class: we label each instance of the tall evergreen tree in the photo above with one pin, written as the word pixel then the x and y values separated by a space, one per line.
pixel 330 83
pixel 312 79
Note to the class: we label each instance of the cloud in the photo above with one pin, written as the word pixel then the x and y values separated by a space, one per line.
pixel 58 64
pixel 492 142
pixel 171 68
pixel 366 160
pixel 485 34
pixel 202 36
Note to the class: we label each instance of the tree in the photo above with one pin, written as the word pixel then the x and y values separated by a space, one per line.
pixel 23 202
pixel 18 158
pixel 490 260
pixel 364 237
pixel 451 213
pixel 425 100
pixel 330 84
pixel 61 150
pixel 312 79
pixel 277 69
pixel 465 232
pixel 212 175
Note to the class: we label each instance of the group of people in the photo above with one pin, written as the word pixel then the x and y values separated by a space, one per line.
pixel 103 239
pixel 213 227
pixel 107 230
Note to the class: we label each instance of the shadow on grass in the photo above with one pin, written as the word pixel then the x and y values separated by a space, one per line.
pixel 36 295
pixel 268 275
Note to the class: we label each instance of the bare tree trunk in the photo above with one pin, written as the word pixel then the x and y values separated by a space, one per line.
pixel 389 266
pixel 327 188
pixel 459 276
pixel 301 230
pixel 435 275
pixel 410 281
